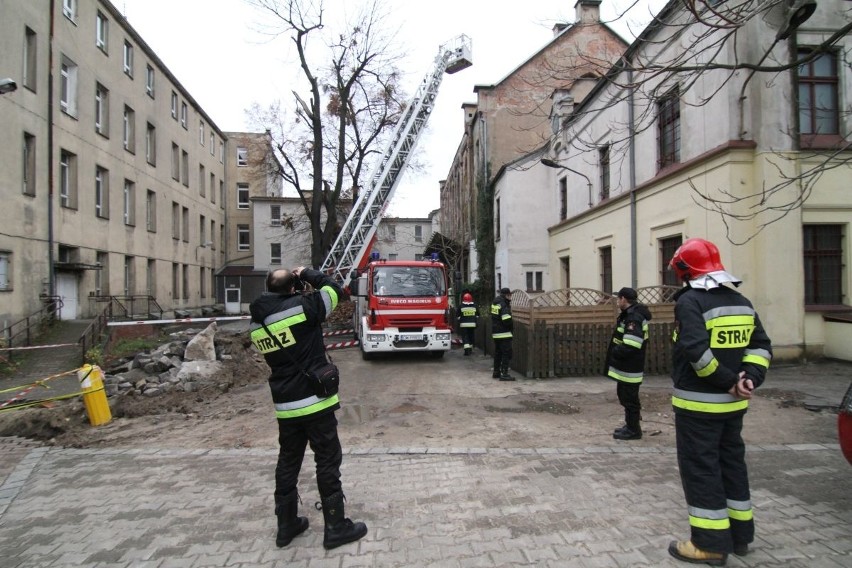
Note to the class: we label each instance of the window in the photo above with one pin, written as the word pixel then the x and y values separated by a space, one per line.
pixel 151 144
pixel 184 168
pixel 603 160
pixel 101 29
pixel 202 231
pixel 175 221
pixel 29 164
pixel 221 194
pixel 202 282
pixel 606 269
pixel 275 253
pixel 418 257
pixel 69 9
pixel 30 74
pixel 563 199
pixel 185 224
pixel 129 276
pixel 201 133
pixel 819 116
pixel 823 256
pixel 183 114
pixel 151 279
pixel 101 192
pixel 5 270
pixel 102 275
pixel 389 231
pixel 212 234
pixel 101 110
pixel 129 203
pixel 242 196
pixel 668 129
pixel 149 81
pixel 175 280
pixel 668 246
pixel 174 105
pixel 67 179
pixel 418 233
pixel 497 219
pixel 243 237
pixel 175 162
pixel 202 180
pixel 212 143
pixel 151 211
pixel 185 279
pixel 128 59
pixel 242 156
pixel 565 261
pixel 221 153
pixel 534 281
pixel 212 187
pixel 275 215
pixel 393 256
pixel 129 129
pixel 68 86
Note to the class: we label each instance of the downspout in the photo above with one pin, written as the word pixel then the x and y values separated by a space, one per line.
pixel 51 280
pixel 632 154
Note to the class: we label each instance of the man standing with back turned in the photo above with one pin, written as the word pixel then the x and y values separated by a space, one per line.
pixel 285 327
pixel 721 354
pixel 501 333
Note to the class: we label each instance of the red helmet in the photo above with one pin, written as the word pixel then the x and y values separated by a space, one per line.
pixel 467 297
pixel 694 258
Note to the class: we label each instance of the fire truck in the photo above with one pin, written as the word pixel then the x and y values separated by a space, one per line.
pixel 402 306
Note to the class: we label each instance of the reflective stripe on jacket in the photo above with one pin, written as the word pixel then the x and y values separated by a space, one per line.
pixel 625 357
pixel 467 314
pixel 501 318
pixel 717 335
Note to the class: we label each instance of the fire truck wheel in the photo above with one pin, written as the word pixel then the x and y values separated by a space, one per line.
pixel 438 354
pixel 366 356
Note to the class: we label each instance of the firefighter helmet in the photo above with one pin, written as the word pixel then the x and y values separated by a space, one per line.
pixel 694 258
pixel 467 297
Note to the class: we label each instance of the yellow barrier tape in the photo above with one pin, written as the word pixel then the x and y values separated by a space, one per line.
pixel 37 402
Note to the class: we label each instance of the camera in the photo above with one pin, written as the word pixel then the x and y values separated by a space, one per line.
pixel 298 285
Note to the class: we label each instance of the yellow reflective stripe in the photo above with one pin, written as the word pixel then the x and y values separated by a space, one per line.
pixel 757 360
pixel 741 515
pixel 468 324
pixel 332 297
pixel 506 317
pixel 495 309
pixel 633 341
pixel 724 321
pixel 504 335
pixel 711 524
pixel 711 407
pixel 468 311
pixel 312 409
pixel 708 369
pixel 615 374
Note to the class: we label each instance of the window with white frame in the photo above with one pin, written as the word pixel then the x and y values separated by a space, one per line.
pixel 212 143
pixel 151 144
pixel 149 81
pixel 151 211
pixel 242 196
pixel 101 31
pixel 129 276
pixel 129 129
pixel 174 105
pixel 101 110
pixel 242 156
pixel 534 281
pixel 69 9
pixel 243 238
pixel 129 203
pixel 68 86
pixel 101 192
pixel 29 164
pixel 183 114
pixel 5 270
pixel 128 59
pixel 67 179
pixel 275 253
pixel 418 233
pixel 275 215
pixel 30 74
pixel 201 132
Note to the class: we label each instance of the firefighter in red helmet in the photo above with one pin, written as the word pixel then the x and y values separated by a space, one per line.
pixel 467 321
pixel 721 354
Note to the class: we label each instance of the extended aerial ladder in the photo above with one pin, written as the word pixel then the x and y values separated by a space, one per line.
pixel 356 237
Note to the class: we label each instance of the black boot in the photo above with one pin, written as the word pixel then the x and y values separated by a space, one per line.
pixel 289 524
pixel 504 373
pixel 338 529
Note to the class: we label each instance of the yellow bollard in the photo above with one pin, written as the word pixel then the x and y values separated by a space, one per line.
pixel 94 397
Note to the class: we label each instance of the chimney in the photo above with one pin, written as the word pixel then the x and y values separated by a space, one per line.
pixel 588 11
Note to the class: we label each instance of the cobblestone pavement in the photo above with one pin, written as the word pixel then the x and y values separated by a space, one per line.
pixel 616 505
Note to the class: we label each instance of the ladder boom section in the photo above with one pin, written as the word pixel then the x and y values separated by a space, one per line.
pixel 350 247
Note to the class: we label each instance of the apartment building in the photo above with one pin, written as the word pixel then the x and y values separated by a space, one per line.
pixel 403 238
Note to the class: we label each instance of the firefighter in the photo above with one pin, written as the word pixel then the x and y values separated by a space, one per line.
pixel 501 333
pixel 467 321
pixel 625 360
pixel 721 354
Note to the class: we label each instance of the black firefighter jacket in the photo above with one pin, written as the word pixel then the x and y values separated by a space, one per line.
pixel 501 318
pixel 296 320
pixel 625 357
pixel 717 335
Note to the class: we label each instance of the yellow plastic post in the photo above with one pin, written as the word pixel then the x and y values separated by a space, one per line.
pixel 94 397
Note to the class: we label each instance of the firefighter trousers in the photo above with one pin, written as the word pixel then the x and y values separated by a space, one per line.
pixel 502 354
pixel 628 396
pixel 711 459
pixel 321 434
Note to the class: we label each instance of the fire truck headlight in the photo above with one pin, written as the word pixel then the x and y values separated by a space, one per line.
pixel 375 337
pixel 442 336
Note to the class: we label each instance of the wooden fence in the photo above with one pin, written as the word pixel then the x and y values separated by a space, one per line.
pixel 567 332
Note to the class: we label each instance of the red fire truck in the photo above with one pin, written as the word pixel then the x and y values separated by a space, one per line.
pixel 402 306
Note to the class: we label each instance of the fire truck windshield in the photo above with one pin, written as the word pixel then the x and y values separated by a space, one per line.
pixel 408 281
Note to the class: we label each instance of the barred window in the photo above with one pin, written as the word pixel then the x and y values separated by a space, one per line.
pixel 823 263
pixel 668 119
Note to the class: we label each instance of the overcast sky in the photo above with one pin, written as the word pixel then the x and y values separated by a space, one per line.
pixel 215 50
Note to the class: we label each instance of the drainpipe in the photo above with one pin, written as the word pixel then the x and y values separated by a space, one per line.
pixel 632 154
pixel 51 280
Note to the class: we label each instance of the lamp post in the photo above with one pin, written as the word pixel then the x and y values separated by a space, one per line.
pixel 554 164
pixel 7 86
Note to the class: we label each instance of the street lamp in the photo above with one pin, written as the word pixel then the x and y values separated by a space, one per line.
pixel 554 164
pixel 7 86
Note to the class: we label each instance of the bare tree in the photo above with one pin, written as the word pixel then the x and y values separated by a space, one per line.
pixel 335 125
pixel 715 51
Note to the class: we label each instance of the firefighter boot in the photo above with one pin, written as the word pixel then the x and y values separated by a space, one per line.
pixel 289 524
pixel 504 373
pixel 338 529
pixel 688 552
